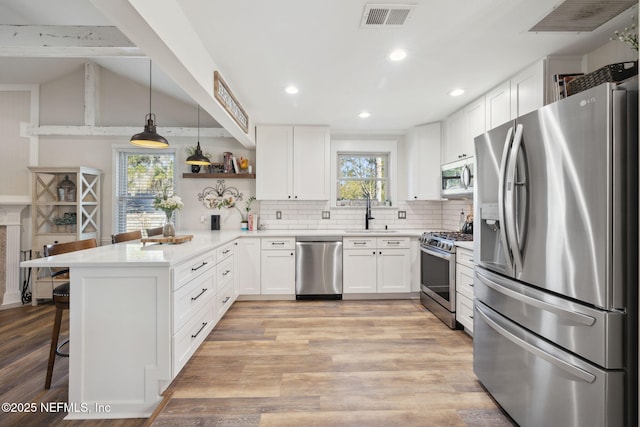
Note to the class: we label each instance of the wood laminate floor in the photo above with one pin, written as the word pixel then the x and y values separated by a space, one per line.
pixel 293 363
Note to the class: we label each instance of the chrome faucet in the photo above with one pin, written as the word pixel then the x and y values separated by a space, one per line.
pixel 367 212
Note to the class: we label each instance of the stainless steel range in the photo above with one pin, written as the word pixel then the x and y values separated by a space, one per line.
pixel 438 273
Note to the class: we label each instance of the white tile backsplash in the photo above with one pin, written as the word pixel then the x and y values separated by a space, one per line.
pixel 307 215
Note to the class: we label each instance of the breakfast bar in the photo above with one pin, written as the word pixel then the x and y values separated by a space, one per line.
pixel 137 315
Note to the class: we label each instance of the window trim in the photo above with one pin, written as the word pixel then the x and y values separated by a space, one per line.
pixel 361 146
pixel 116 149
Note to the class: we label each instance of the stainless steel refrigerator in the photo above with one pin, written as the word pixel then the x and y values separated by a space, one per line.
pixel 555 242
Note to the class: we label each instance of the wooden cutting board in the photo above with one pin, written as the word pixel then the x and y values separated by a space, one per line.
pixel 170 240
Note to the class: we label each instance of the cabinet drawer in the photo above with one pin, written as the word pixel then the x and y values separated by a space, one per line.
pixel 464 280
pixel 391 242
pixel 358 242
pixel 464 257
pixel 186 271
pixel 225 272
pixel 190 298
pixel 224 299
pixel 278 243
pixel 189 338
pixel 225 251
pixel 464 311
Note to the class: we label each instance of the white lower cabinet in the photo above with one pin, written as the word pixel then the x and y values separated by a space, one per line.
pixel 248 266
pixel 203 290
pixel 376 265
pixel 464 288
pixel 277 266
pixel 359 271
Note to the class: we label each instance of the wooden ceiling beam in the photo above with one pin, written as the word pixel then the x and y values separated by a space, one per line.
pixel 65 42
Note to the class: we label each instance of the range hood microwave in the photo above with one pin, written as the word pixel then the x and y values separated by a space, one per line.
pixel 458 179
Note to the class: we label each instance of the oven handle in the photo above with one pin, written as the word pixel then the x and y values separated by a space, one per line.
pixel 443 255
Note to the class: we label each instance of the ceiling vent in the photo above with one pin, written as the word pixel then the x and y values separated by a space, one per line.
pixel 386 15
pixel 582 15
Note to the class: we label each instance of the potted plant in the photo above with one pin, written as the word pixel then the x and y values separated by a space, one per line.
pixel 244 216
pixel 65 224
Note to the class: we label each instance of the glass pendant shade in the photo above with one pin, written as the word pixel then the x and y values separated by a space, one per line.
pixel 198 158
pixel 149 138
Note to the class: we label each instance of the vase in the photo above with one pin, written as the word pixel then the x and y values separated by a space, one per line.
pixel 195 168
pixel 168 229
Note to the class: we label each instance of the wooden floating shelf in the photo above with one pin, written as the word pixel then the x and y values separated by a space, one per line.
pixel 220 175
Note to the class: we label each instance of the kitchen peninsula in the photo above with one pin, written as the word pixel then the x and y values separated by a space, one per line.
pixel 138 313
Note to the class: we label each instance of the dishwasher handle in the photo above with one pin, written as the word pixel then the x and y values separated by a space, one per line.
pixel 319 239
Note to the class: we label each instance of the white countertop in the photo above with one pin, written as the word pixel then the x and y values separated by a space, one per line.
pixel 465 245
pixel 134 254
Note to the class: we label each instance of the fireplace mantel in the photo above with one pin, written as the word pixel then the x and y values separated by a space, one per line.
pixel 11 208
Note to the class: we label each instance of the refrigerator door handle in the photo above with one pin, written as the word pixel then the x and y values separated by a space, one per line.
pixel 501 206
pixel 567 314
pixel 567 367
pixel 509 200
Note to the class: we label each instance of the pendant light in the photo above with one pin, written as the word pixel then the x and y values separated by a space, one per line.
pixel 198 158
pixel 149 138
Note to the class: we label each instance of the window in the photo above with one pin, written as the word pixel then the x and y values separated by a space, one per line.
pixel 141 175
pixel 360 175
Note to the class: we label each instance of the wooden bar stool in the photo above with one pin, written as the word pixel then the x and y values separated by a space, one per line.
pixel 125 237
pixel 61 296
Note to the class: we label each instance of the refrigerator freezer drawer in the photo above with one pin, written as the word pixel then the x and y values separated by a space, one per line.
pixel 593 334
pixel 539 384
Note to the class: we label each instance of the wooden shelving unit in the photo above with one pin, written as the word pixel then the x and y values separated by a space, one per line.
pixel 220 175
pixel 47 206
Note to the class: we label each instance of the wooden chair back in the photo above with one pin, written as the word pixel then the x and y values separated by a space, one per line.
pixel 125 237
pixel 62 248
pixel 154 231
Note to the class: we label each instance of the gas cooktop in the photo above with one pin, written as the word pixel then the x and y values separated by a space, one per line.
pixel 444 240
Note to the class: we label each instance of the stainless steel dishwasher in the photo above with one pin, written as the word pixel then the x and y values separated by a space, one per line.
pixel 319 267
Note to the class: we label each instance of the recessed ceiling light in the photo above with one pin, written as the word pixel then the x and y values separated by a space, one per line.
pixel 364 114
pixel 398 55
pixel 456 92
pixel 291 90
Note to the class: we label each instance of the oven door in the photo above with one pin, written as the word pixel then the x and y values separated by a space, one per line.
pixel 437 276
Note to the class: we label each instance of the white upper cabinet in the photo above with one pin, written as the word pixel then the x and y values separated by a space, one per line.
pixel 274 162
pixel 462 127
pixel 292 162
pixel 311 164
pixel 476 121
pixel 454 147
pixel 423 144
pixel 527 90
pixel 498 106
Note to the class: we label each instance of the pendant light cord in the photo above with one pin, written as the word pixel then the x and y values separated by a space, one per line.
pixel 149 87
pixel 198 123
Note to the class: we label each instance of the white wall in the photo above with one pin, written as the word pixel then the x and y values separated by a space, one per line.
pixel 14 176
pixel 121 103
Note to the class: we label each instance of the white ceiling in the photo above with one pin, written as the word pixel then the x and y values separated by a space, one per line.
pixel 341 69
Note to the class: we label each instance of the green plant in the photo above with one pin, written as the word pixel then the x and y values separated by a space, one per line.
pixel 229 202
pixel 64 220
pixel 191 150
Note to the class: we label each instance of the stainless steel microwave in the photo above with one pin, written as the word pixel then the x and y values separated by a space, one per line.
pixel 458 179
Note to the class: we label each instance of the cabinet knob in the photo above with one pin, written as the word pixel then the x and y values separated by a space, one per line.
pixel 415 197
